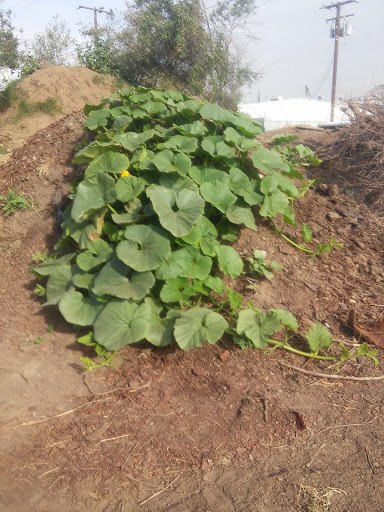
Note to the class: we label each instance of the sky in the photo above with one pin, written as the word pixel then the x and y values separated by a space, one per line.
pixel 293 48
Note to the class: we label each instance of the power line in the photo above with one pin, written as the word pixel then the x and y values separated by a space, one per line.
pixel 337 34
pixel 95 11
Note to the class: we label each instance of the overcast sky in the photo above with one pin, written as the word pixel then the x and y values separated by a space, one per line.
pixel 294 49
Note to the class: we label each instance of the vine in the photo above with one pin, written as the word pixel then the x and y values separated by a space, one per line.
pixel 167 182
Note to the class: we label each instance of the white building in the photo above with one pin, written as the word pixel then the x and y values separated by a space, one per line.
pixel 279 113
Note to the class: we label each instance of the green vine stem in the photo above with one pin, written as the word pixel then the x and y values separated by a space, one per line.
pixel 291 241
pixel 285 346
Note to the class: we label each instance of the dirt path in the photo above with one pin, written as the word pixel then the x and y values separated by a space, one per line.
pixel 213 429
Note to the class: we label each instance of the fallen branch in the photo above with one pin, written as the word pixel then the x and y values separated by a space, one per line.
pixel 327 376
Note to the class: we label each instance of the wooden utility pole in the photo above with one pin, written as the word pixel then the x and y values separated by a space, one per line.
pixel 337 36
pixel 95 11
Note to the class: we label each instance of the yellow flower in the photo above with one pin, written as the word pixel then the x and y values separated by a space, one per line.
pixel 124 173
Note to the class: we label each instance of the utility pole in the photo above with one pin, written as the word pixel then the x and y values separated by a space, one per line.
pixel 338 33
pixel 95 11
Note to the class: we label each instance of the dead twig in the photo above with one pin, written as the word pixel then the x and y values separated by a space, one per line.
pixel 130 453
pixel 327 376
pixel 344 426
pixel 15 371
pixel 113 438
pixel 36 422
pixel 159 492
pixel 99 394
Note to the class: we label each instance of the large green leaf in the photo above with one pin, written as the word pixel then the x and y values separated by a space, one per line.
pixel 239 213
pixel 119 280
pixel 274 201
pixel 268 161
pixel 205 173
pixel 98 251
pixel 177 211
pixel 121 323
pixel 198 325
pixel 246 124
pixel 178 290
pixel 319 338
pixel 108 162
pixel 93 194
pixel 286 185
pixel 286 318
pixel 92 151
pixel 50 266
pixel 193 129
pixel 244 187
pixel 133 210
pixel 177 183
pixel 182 144
pixel 258 327
pixel 216 113
pixel 208 242
pixel 145 247
pixel 78 310
pixel 233 137
pixel 167 161
pixel 154 107
pixel 229 261
pixel 160 330
pixel 216 147
pixel 186 262
pixel 188 108
pixel 132 140
pixel 59 283
pixel 121 122
pixel 128 187
pixel 218 195
pixel 97 118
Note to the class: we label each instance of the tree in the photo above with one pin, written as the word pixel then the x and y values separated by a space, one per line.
pixel 54 46
pixel 186 45
pixel 9 56
pixel 163 44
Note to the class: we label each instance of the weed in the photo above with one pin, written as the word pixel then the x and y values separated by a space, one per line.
pixel 119 83
pixel 27 108
pixel 317 500
pixel 9 95
pixel 3 150
pixel 14 202
pixel 40 290
pixel 99 79
pixel 259 265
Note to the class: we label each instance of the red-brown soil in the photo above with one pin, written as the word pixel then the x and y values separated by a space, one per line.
pixel 214 429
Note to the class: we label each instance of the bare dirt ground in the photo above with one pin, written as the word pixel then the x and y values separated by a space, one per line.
pixel 214 429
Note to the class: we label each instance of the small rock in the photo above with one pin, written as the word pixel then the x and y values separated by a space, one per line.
pixel 323 188
pixel 224 356
pixel 333 191
pixel 332 216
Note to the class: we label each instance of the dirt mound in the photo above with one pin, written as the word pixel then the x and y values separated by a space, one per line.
pixel 72 87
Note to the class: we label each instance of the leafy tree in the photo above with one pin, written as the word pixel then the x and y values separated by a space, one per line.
pixel 186 45
pixel 227 27
pixel 97 55
pixel 54 46
pixel 164 44
pixel 9 55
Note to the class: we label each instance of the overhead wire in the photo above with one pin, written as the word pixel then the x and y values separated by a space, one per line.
pixel 324 77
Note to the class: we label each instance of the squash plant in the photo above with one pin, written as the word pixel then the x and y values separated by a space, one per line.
pixel 166 184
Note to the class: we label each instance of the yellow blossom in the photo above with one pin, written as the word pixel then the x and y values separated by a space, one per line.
pixel 124 173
